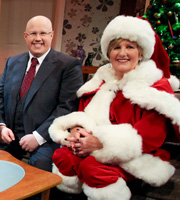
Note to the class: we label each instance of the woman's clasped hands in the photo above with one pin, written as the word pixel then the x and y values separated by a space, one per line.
pixel 82 142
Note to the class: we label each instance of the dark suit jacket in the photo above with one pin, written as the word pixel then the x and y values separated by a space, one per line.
pixel 52 93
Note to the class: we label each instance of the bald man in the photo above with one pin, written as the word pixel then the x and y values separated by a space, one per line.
pixel 25 119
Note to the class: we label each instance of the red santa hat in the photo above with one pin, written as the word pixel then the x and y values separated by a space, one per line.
pixel 140 31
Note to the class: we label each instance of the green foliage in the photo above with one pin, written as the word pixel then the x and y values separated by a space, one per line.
pixel 164 18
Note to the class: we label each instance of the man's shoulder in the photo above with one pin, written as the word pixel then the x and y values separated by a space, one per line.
pixel 17 57
pixel 63 57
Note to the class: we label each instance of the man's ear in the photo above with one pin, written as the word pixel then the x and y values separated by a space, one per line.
pixel 25 35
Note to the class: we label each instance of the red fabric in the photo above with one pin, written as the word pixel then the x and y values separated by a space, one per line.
pixel 163 85
pixel 160 56
pixel 89 171
pixel 66 162
pixel 96 174
pixel 173 132
pixel 152 126
pixel 28 78
pixel 85 101
pixel 161 153
pixel 149 124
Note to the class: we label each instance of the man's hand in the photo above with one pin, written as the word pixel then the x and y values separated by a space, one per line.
pixel 28 143
pixel 6 135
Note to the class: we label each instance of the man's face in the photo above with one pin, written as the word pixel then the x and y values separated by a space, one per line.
pixel 38 36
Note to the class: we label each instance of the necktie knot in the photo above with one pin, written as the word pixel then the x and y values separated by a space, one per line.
pixel 34 62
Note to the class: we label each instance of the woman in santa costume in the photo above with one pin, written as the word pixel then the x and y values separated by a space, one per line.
pixel 127 112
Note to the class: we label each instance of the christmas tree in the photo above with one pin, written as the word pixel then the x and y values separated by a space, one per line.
pixel 164 18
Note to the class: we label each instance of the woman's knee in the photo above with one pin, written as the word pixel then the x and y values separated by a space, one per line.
pixel 66 162
pixel 96 174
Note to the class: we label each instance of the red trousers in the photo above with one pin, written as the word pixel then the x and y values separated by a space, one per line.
pixel 88 170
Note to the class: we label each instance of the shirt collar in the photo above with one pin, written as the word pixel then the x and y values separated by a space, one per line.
pixel 41 58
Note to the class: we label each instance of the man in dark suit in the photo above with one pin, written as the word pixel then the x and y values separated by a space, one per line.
pixel 24 121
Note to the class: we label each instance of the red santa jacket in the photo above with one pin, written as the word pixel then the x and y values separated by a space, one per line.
pixel 130 117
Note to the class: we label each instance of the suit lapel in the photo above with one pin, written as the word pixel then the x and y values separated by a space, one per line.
pixel 43 73
pixel 17 77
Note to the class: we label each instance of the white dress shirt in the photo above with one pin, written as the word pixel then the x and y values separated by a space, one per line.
pixel 38 137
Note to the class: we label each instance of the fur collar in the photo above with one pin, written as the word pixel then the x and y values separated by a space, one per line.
pixel 136 86
pixel 146 73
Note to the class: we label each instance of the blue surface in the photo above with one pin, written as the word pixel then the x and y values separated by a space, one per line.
pixel 10 174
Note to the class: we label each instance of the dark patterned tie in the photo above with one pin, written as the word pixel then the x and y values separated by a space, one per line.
pixel 28 78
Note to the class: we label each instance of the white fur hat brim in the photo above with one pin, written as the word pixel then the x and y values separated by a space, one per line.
pixel 131 28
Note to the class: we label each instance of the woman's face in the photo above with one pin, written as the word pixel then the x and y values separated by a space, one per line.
pixel 124 57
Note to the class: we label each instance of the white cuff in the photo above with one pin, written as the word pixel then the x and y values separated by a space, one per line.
pixel 2 124
pixel 121 143
pixel 58 129
pixel 39 138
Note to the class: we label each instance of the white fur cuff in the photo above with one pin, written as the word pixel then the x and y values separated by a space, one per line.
pixel 58 129
pixel 121 143
pixel 150 169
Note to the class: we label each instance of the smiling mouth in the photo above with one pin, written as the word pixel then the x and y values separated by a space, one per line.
pixel 38 45
pixel 122 60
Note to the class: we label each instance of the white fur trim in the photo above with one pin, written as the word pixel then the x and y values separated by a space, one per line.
pixel 103 97
pixel 130 28
pixel 150 169
pixel 98 108
pixel 58 129
pixel 136 86
pixel 174 82
pixel 121 143
pixel 140 92
pixel 69 184
pixel 91 85
pixel 146 74
pixel 103 73
pixel 137 89
pixel 115 191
